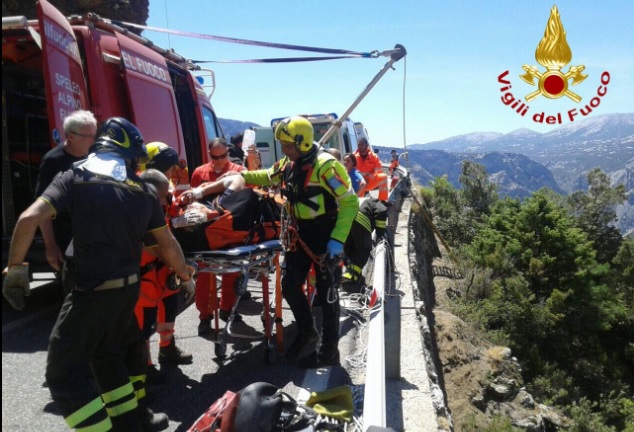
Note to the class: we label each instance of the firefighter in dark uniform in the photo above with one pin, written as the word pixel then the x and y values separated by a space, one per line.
pixel 321 206
pixel 372 216
pixel 111 210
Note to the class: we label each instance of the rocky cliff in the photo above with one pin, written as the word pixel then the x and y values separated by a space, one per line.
pixel 482 382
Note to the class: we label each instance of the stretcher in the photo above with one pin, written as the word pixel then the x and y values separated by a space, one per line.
pixel 252 262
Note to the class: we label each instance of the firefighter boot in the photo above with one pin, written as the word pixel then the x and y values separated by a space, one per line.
pixel 127 422
pixel 303 340
pixel 151 421
pixel 204 327
pixel 154 376
pixel 174 355
pixel 328 355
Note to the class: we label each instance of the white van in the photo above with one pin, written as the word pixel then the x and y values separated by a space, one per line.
pixel 345 139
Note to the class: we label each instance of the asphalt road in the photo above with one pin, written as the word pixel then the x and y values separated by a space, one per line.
pixel 189 390
pixel 411 403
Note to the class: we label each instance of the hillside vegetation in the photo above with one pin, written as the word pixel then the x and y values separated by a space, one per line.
pixel 551 278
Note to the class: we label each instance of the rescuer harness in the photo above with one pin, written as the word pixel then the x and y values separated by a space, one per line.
pixel 289 237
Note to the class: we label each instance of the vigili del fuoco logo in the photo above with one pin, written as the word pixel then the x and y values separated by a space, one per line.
pixel 554 54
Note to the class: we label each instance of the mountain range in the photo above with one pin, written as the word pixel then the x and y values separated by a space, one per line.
pixel 569 152
pixel 524 161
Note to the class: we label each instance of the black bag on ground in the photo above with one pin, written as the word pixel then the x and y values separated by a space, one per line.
pixel 265 408
pixel 259 408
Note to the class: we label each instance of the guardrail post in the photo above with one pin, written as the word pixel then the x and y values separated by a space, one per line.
pixel 392 316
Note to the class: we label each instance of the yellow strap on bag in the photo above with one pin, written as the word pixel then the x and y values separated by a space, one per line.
pixel 335 402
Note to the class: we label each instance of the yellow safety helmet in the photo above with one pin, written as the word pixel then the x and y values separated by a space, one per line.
pixel 298 130
pixel 162 157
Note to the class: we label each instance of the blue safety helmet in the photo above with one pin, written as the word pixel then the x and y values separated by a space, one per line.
pixel 120 136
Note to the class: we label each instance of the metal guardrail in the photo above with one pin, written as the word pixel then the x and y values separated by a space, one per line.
pixel 374 398
pixel 380 362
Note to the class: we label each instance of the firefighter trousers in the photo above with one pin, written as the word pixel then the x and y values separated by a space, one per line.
pixel 357 249
pixel 297 263
pixel 97 332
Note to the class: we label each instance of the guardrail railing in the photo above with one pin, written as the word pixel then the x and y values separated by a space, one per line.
pixel 383 358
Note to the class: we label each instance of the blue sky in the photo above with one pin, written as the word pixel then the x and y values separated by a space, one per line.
pixel 448 83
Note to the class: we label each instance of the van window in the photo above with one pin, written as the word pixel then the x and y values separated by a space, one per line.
pixel 346 141
pixel 320 130
pixel 210 123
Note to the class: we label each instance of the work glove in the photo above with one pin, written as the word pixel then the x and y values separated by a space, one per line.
pixel 190 286
pixel 16 285
pixel 379 237
pixel 334 248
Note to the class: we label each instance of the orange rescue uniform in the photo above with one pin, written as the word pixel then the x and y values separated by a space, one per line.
pixel 372 171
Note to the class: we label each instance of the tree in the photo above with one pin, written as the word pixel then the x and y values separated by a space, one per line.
pixel 456 226
pixel 477 192
pixel 596 213
pixel 460 212
pixel 547 296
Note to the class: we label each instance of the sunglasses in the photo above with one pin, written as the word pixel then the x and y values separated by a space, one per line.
pixel 83 135
pixel 218 157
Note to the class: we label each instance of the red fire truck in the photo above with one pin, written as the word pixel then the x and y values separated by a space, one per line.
pixel 55 65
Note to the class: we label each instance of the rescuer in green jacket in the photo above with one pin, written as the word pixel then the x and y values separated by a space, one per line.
pixel 321 207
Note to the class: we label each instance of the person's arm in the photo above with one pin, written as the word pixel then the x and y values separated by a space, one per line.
pixel 362 184
pixel 25 230
pixel 378 166
pixel 234 182
pixel 54 255
pixel 171 252
pixel 337 181
pixel 252 159
pixel 16 283
pixel 380 217
pixel 266 177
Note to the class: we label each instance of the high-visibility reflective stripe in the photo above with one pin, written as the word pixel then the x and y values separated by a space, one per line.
pixel 138 382
pixel 116 394
pixel 102 426
pixel 138 378
pixel 122 408
pixel 355 268
pixel 381 224
pixel 350 277
pixel 140 393
pixel 84 412
pixel 352 272
pixel 364 221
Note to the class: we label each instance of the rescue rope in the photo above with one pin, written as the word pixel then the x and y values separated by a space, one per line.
pixel 404 116
pixel 340 53
pixel 278 59
pixel 289 237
